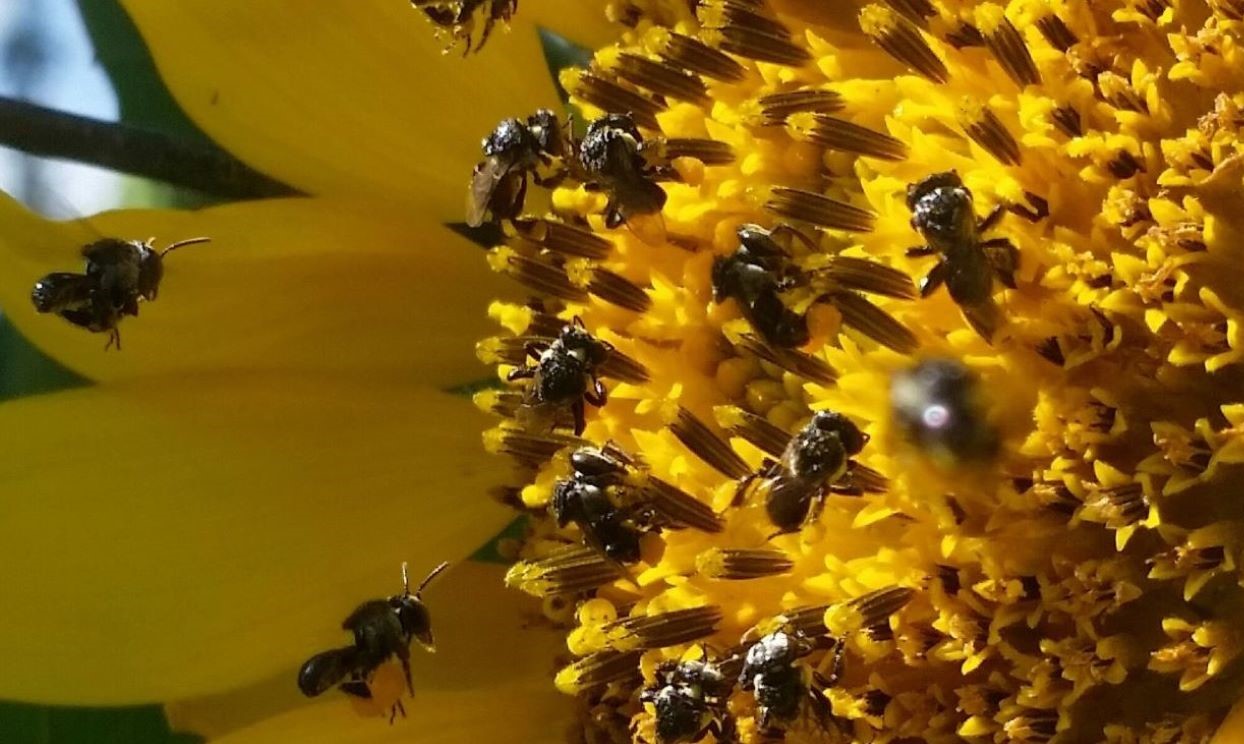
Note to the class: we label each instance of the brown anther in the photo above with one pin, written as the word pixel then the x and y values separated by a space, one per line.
pixel 1056 32
pixel 917 11
pixel 680 509
pixel 988 131
pixel 706 445
pixel 621 367
pixel 1151 9
pixel 753 44
pixel 540 276
pixel 901 39
pixel 878 605
pixel 664 630
pixel 949 578
pixel 570 570
pixel 1230 9
pixel 840 134
pixel 1032 727
pixel 775 107
pixel 616 289
pixel 742 565
pixel 965 35
pixel 1124 165
pixel 1117 90
pixel 1067 119
pixel 707 151
pixel 613 98
pixel 870 320
pixel 1129 501
pixel 768 437
pixel 529 448
pixel 560 237
pixel 822 211
pixel 1051 351
pixel 1054 496
pixel 796 362
pixel 661 78
pixel 696 56
pixel 1008 47
pixel 602 668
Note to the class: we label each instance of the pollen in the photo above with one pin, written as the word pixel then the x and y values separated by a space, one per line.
pixel 878 376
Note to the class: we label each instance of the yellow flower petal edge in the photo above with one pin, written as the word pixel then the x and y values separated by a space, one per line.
pixel 485 642
pixel 308 284
pixel 1232 729
pixel 183 535
pixel 343 98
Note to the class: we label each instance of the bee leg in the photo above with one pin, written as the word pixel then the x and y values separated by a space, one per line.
pixel 991 219
pixel 920 250
pixel 815 508
pixel 114 339
pixel 726 730
pixel 932 280
pixel 483 37
pixel 580 421
pixel 403 656
pixel 797 234
pixel 521 373
pixel 598 395
pixel 534 349
pixel 397 708
pixel 1003 256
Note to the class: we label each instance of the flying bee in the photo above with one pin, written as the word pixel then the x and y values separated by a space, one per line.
pixel 814 463
pixel 937 405
pixel 614 503
pixel 382 629
pixel 772 672
pixel 512 152
pixel 565 372
pixel 119 275
pixel 760 271
pixel 689 698
pixel 942 211
pixel 458 18
pixel 612 158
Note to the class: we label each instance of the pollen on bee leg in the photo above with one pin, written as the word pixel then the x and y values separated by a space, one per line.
pixel 742 564
pixel 901 39
pixel 706 445
pixel 601 668
pixel 988 131
pixel 662 630
pixel 844 136
pixel 819 210
pixel 570 570
pixel 387 686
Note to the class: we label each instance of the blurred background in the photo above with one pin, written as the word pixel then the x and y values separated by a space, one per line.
pixel 81 57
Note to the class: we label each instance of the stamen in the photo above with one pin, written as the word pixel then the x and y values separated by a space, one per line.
pixel 535 274
pixel 663 630
pixel 863 478
pixel 988 131
pixel 611 287
pixel 1151 9
pixel 872 321
pixel 1067 119
pixel 661 78
pixel 1125 165
pixel 1229 9
pixel 741 30
pixel 1033 727
pixel 1057 33
pixel 681 508
pixel 742 565
pixel 611 97
pixel 768 437
pixel 796 362
pixel 819 210
pixel 901 39
pixel 696 56
pixel 1051 351
pixel 560 237
pixel 707 151
pixel 528 447
pixel 839 134
pixel 868 610
pixel 570 570
pixel 602 668
pixel 707 446
pixel 1008 47
pixel 965 35
pixel 1052 495
pixel 870 276
pixel 621 367
pixel 775 107
pixel 916 11
pixel 1129 500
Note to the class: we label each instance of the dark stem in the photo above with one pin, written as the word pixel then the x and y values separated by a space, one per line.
pixel 141 152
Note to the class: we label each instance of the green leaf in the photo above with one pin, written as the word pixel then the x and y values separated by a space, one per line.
pixel 24 370
pixel 21 723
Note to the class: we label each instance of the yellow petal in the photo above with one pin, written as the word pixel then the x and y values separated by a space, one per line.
pixel 1232 730
pixel 487 637
pixel 308 284
pixel 347 97
pixel 184 535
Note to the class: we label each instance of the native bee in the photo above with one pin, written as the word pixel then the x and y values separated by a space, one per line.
pixel 689 699
pixel 759 271
pixel 565 372
pixel 614 504
pixel 458 17
pixel 119 275
pixel 612 158
pixel 512 152
pixel 937 405
pixel 942 211
pixel 815 462
pixel 772 672
pixel 382 629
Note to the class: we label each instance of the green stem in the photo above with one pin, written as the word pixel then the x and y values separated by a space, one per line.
pixel 141 152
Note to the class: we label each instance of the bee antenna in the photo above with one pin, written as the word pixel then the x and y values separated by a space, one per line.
pixel 428 579
pixel 180 243
pixel 405 578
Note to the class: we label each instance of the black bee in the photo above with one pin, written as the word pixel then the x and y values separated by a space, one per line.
pixel 382 628
pixel 512 152
pixel 937 405
pixel 771 671
pixel 941 210
pixel 584 499
pixel 814 462
pixel 759 271
pixel 565 372
pixel 611 158
pixel 119 275
pixel 458 17
pixel 690 698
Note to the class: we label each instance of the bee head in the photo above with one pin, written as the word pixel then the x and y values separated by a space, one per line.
pixel 852 438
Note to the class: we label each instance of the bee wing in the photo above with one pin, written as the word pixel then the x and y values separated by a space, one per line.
pixel 640 204
pixel 869 276
pixel 873 322
pixel 984 317
pixel 860 478
pixel 486 179
pixel 324 670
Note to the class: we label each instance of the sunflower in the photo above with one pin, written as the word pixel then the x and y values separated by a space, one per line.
pixel 905 396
